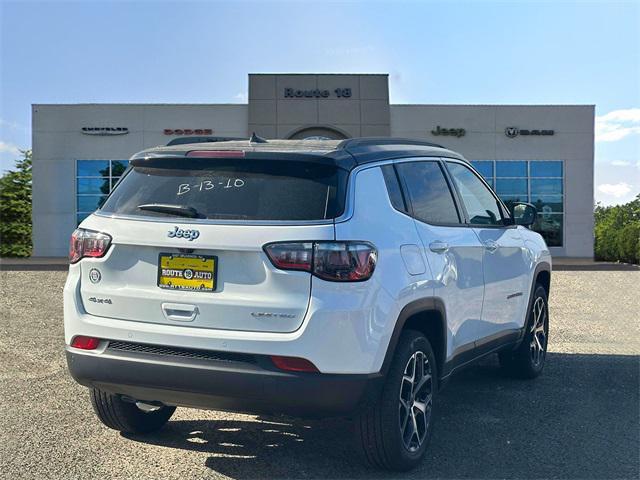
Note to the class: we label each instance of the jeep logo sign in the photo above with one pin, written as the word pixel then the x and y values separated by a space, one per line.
pixel 180 233
pixel 454 132
pixel 513 132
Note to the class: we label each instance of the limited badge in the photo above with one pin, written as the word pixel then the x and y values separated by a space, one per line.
pixel 94 275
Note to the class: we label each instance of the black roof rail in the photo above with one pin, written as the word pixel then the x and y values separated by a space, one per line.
pixel 200 139
pixel 373 141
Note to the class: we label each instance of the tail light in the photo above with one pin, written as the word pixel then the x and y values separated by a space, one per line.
pixel 332 261
pixel 216 153
pixel 85 243
pixel 294 364
pixel 85 343
pixel 291 256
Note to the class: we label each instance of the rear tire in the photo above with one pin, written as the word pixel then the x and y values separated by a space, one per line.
pixel 126 417
pixel 527 361
pixel 394 432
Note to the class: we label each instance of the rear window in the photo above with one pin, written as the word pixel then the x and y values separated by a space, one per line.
pixel 236 189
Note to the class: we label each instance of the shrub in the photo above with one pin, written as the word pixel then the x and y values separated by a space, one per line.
pixel 617 232
pixel 15 209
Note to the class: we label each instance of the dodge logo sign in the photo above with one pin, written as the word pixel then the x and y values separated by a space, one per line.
pixel 513 132
pixel 188 131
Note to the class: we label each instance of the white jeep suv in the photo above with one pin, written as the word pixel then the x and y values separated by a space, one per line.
pixel 311 278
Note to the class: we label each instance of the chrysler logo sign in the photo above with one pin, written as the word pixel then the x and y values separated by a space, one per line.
pixel 105 130
pixel 513 132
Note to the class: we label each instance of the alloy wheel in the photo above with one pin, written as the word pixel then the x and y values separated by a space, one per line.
pixel 416 401
pixel 538 345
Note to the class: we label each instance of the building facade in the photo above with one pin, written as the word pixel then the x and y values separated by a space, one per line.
pixel 543 154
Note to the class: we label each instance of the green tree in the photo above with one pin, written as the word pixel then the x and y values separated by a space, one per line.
pixel 15 209
pixel 617 232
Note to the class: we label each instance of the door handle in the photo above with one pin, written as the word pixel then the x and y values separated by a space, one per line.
pixel 438 246
pixel 179 312
pixel 490 246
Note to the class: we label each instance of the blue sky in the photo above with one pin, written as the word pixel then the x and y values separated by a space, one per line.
pixel 446 52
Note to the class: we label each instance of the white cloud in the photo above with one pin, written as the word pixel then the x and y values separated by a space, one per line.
pixel 620 163
pixel 615 189
pixel 9 148
pixel 618 124
pixel 241 97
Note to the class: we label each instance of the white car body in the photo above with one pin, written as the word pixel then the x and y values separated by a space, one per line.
pixel 481 281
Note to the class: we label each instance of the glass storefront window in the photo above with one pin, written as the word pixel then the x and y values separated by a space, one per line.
pixel 550 226
pixel 511 186
pixel 92 186
pixel 94 181
pixel 89 203
pixel 92 168
pixel 118 167
pixel 546 186
pixel 539 182
pixel 508 168
pixel 547 203
pixel 484 168
pixel 545 169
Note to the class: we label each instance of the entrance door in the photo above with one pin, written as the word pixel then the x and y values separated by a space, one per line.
pixel 318 133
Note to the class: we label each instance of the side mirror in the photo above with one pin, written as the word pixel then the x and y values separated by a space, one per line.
pixel 524 214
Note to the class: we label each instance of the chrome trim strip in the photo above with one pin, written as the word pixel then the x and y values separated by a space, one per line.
pixel 209 221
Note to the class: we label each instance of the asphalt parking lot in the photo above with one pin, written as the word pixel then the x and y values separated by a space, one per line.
pixel 579 420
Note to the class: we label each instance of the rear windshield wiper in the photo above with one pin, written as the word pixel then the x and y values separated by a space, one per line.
pixel 178 210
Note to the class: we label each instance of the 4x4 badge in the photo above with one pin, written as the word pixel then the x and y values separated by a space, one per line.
pixel 180 233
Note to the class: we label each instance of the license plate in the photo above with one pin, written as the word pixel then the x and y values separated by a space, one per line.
pixel 187 272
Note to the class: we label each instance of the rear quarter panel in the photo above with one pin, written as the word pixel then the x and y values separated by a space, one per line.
pixel 374 305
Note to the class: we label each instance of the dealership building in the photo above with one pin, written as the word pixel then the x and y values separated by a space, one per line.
pixel 542 154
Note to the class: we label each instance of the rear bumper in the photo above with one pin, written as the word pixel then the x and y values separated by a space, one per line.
pixel 238 386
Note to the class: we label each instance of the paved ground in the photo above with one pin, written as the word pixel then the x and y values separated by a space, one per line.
pixel 579 420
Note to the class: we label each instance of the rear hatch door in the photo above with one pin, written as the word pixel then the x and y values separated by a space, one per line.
pixel 188 238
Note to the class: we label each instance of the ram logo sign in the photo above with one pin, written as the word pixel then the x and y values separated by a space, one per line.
pixel 513 132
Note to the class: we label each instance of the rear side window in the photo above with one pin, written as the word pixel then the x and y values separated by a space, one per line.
pixel 236 189
pixel 429 192
pixel 393 188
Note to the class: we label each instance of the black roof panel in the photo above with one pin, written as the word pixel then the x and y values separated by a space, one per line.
pixel 345 153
